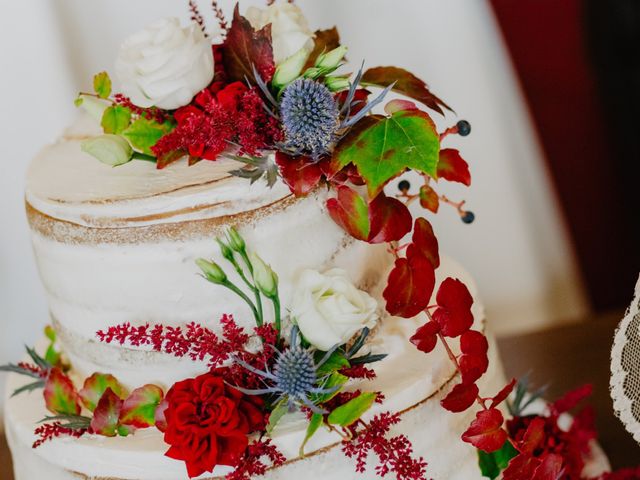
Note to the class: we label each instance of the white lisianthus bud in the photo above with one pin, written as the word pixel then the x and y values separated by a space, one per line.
pixel 331 59
pixel 290 69
pixel 165 65
pixel 265 278
pixel 211 271
pixel 109 149
pixel 329 309
pixel 337 84
pixel 290 30
pixel 236 242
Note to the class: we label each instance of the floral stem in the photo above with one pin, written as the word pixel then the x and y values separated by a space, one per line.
pixel 256 291
pixel 242 295
pixel 276 312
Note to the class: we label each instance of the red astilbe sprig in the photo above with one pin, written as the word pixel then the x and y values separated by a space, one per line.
pixel 49 431
pixel 253 463
pixel 196 17
pixel 29 367
pixel 395 454
pixel 151 113
pixel 222 21
pixel 359 371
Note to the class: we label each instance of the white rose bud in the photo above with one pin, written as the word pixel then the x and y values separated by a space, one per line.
pixel 329 309
pixel 165 65
pixel 265 278
pixel 290 30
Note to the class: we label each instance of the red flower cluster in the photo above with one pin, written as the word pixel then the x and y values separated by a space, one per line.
pixel 49 431
pixel 217 116
pixel 207 423
pixel 253 465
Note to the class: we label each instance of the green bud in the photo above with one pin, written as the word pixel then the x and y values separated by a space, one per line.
pixel 93 106
pixel 236 242
pixel 291 68
pixel 331 59
pixel 337 84
pixel 225 250
pixel 265 278
pixel 211 271
pixel 314 72
pixel 110 149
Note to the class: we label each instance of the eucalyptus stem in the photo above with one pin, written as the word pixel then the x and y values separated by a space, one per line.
pixel 242 295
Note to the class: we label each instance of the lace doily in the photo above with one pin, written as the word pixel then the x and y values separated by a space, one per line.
pixel 625 368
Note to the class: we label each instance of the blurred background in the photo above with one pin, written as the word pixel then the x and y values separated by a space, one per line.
pixel 550 88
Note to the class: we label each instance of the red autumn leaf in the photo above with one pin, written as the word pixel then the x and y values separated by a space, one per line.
pixel 324 41
pixel 461 397
pixel 358 102
pixel 426 337
pixel 486 432
pixel 350 211
pixel 474 343
pixel 502 395
pixel 60 395
pixel 533 436
pixel 571 399
pixel 454 312
pixel 409 286
pixel 472 367
pixel 299 173
pixel 429 198
pixel 550 467
pixel 424 242
pixel 389 218
pixel 452 167
pixel 106 415
pixel 406 83
pixel 245 48
pixel 521 467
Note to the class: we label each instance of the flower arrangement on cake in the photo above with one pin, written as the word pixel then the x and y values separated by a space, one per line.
pixel 268 93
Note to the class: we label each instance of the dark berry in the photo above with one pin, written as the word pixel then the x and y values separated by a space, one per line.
pixel 464 128
pixel 404 186
pixel 467 217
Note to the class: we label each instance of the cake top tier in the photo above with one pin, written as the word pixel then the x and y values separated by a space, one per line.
pixel 68 184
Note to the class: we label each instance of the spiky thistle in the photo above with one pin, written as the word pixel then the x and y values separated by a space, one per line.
pixel 295 375
pixel 310 117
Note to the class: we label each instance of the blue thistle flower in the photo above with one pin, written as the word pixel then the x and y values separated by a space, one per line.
pixel 294 376
pixel 310 117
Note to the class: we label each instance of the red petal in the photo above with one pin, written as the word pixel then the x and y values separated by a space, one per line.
pixel 550 468
pixel 454 314
pixel 389 218
pixel 299 173
pixel 410 286
pixel 452 167
pixel 350 211
pixel 503 394
pixel 571 399
pixel 472 367
pixel 426 337
pixel 486 432
pixel 424 242
pixel 474 343
pixel 461 397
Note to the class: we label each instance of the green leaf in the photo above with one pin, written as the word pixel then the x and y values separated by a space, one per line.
pixel 334 363
pixel 78 101
pixel 139 409
pixel 102 84
pixel 382 147
pixel 351 411
pixel 95 386
pixel 110 149
pixel 51 355
pixel 60 395
pixel 491 464
pixel 276 415
pixel 335 380
pixel 144 134
pixel 314 425
pixel 115 119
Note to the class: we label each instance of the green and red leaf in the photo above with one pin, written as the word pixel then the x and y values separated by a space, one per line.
pixel 406 83
pixel 409 287
pixel 60 395
pixel 246 48
pixel 424 242
pixel 382 147
pixel 486 432
pixel 454 308
pixel 350 211
pixel 429 198
pixel 106 416
pixel 95 386
pixel 460 398
pixel 300 173
pixel 452 167
pixel 324 41
pixel 139 408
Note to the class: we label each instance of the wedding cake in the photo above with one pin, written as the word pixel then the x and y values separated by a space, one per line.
pixel 236 289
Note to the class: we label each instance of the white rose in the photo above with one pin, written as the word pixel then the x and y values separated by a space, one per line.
pixel 290 31
pixel 165 65
pixel 329 309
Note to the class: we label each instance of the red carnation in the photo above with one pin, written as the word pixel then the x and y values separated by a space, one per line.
pixel 208 423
